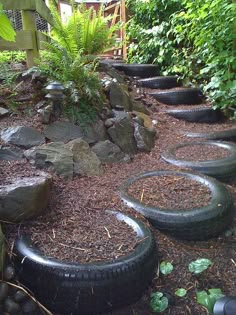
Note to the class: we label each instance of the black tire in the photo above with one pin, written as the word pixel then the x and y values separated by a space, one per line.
pixel 193 224
pixel 73 288
pixel 141 70
pixel 222 169
pixel 201 115
pixel 182 96
pixel 118 65
pixel 167 82
pixel 229 134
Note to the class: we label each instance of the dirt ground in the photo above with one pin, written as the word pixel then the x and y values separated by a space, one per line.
pixel 85 197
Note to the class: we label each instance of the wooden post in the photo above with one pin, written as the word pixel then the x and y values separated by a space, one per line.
pixel 123 32
pixel 28 21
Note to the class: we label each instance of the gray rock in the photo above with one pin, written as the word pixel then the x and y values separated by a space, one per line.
pixel 63 131
pixel 108 152
pixel 95 132
pixel 144 137
pixel 53 156
pixel 116 75
pixel 119 115
pixel 10 154
pixel 122 134
pixel 109 122
pixel 22 136
pixel 120 96
pixel 85 160
pixel 45 114
pixel 3 111
pixel 25 198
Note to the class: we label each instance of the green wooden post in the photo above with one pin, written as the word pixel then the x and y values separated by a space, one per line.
pixel 28 21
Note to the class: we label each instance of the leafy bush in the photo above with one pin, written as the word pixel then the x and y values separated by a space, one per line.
pixel 12 56
pixel 193 38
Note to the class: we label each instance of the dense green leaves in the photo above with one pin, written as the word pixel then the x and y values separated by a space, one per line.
pixel 193 38
pixel 166 267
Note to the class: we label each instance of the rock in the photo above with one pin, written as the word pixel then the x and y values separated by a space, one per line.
pixel 116 75
pixel 10 153
pixel 22 136
pixel 9 273
pixel 120 96
pixel 3 111
pixel 108 152
pixel 119 115
pixel 85 160
pixel 122 134
pixel 53 156
pixel 146 119
pixel 139 107
pixel 63 131
pixel 4 288
pixel 20 296
pixel 45 114
pixel 109 122
pixel 144 137
pixel 25 198
pixel 95 132
pixel 11 306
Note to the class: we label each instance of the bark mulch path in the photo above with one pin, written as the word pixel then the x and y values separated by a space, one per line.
pixel 84 198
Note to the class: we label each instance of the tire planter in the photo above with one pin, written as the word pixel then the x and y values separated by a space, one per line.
pixel 140 70
pixel 217 135
pixel 193 224
pixel 118 65
pixel 73 288
pixel 167 82
pixel 223 169
pixel 182 96
pixel 201 115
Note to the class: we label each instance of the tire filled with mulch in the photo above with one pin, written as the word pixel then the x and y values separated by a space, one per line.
pixel 87 271
pixel 186 205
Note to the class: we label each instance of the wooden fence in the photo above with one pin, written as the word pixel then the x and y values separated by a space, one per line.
pixel 29 38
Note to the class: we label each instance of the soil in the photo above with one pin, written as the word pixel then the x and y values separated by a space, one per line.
pixel 85 198
pixel 201 152
pixel 170 192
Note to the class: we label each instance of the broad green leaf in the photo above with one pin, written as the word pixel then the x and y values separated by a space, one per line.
pixel 6 30
pixel 208 300
pixel 199 265
pixel 166 267
pixel 180 292
pixel 159 302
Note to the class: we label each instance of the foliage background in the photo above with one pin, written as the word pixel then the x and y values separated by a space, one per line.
pixel 192 38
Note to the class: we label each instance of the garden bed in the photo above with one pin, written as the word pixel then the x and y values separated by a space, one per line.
pixel 84 198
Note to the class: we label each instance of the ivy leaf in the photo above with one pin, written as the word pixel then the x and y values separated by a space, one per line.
pixel 199 265
pixel 181 292
pixel 166 267
pixel 208 300
pixel 159 302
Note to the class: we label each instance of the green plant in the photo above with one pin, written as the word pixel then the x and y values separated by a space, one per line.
pixel 208 299
pixel 12 56
pixel 166 267
pixel 6 30
pixel 199 265
pixel 159 302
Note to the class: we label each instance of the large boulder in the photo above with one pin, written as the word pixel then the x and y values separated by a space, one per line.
pixel 10 153
pixel 145 138
pixel 22 136
pixel 53 156
pixel 25 198
pixel 95 132
pixel 120 96
pixel 62 131
pixel 109 152
pixel 122 134
pixel 85 160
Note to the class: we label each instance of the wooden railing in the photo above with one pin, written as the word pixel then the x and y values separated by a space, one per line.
pixel 118 10
pixel 29 38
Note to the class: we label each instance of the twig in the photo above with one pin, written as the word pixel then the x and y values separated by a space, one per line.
pixel 233 261
pixel 83 249
pixel 25 291
pixel 108 233
pixel 142 194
